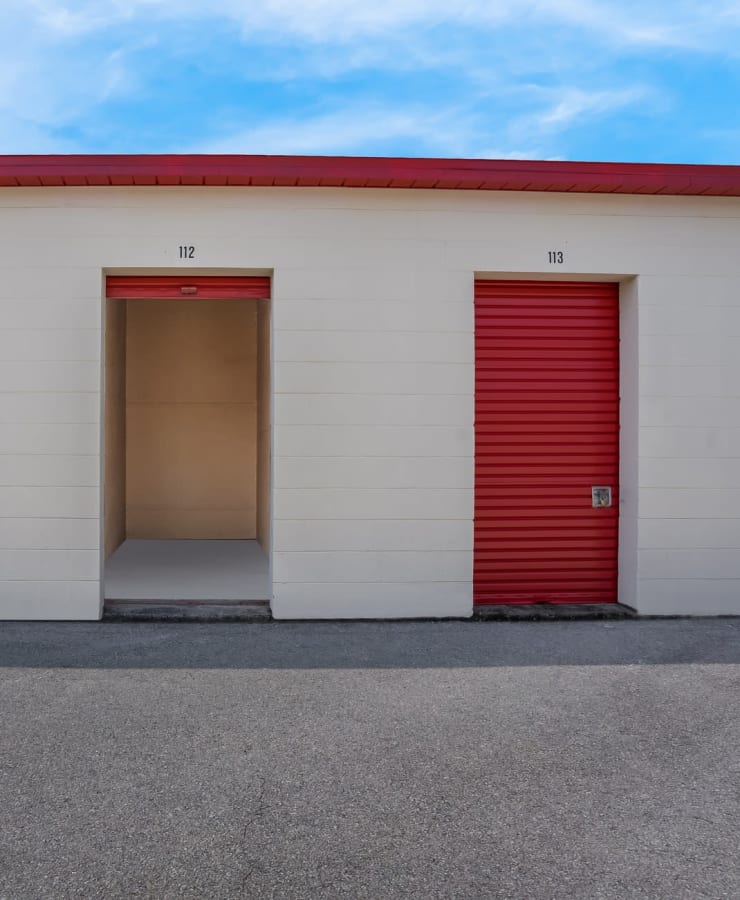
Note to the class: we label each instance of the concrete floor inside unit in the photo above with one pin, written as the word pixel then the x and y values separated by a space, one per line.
pixel 187 570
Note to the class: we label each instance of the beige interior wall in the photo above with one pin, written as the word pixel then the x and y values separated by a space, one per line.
pixel 115 425
pixel 191 409
pixel 263 425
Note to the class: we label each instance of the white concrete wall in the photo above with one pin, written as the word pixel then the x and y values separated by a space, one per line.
pixel 374 379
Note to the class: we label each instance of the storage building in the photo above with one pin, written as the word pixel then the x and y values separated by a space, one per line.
pixel 368 388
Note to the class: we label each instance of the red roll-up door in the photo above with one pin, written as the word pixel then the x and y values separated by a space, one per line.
pixel 546 433
pixel 186 286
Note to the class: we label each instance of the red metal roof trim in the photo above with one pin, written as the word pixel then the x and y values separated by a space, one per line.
pixel 370 172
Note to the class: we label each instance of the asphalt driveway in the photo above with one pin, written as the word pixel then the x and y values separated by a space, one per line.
pixel 425 760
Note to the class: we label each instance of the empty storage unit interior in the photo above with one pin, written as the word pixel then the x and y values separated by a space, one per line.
pixel 187 455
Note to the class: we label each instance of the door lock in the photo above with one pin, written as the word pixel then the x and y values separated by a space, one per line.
pixel 601 496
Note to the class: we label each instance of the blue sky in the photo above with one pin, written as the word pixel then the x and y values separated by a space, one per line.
pixel 547 79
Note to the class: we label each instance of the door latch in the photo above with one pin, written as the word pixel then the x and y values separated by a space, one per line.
pixel 601 496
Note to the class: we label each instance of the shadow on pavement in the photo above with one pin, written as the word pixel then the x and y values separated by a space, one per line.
pixel 367 645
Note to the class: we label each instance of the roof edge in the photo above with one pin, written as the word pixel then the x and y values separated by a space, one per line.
pixel 151 170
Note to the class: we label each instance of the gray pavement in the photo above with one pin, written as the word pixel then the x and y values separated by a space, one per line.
pixel 370 760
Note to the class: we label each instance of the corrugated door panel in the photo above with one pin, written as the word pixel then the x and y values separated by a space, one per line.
pixel 187 286
pixel 546 431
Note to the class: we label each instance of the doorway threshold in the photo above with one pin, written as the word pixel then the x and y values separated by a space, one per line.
pixel 539 612
pixel 186 611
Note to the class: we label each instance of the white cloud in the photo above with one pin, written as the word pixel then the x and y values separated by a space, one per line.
pixel 554 111
pixel 49 79
pixel 573 104
pixel 61 60
pixel 18 135
pixel 683 23
pixel 446 133
pixel 435 130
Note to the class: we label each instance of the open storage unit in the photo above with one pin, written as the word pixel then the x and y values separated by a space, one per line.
pixel 187 439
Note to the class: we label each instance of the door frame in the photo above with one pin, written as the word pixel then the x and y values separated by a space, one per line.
pixel 164 284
